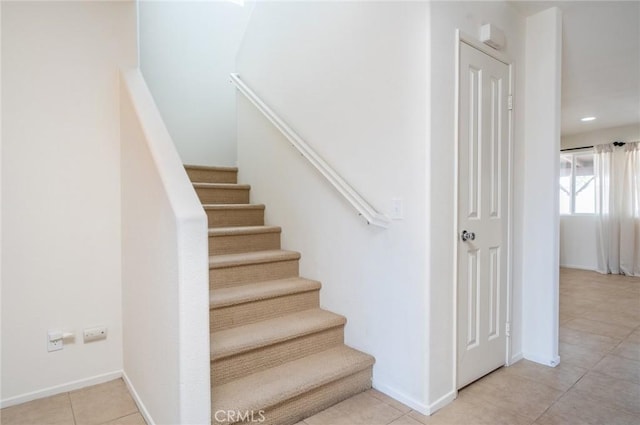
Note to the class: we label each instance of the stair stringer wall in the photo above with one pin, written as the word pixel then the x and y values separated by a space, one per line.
pixel 342 95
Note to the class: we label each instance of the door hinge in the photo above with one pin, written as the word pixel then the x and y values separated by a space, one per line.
pixel 507 329
pixel 510 102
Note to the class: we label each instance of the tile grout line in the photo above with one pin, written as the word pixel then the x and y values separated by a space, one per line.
pixel 120 417
pixel 73 412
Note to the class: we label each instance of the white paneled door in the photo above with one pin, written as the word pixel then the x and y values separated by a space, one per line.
pixel 483 169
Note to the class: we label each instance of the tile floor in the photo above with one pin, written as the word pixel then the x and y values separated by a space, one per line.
pixel 108 404
pixel 597 382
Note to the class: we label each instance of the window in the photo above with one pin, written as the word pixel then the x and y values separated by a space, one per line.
pixel 577 185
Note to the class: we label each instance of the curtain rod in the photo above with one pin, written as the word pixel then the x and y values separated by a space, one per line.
pixel 587 147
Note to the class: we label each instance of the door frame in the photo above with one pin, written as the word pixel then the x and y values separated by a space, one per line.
pixel 461 37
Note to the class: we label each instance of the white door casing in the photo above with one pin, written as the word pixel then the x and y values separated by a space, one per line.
pixel 483 202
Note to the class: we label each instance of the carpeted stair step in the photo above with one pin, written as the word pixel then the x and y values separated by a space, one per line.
pixel 222 193
pixel 250 303
pixel 232 240
pixel 206 174
pixel 248 349
pixel 234 215
pixel 237 269
pixel 295 390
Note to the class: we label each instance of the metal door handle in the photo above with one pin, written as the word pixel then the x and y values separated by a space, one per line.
pixel 467 236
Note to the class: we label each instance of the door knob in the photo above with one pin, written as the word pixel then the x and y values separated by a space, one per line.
pixel 467 236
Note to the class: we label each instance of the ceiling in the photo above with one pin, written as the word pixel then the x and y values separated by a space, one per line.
pixel 600 62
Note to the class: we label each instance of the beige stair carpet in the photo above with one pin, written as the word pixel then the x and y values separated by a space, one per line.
pixel 276 357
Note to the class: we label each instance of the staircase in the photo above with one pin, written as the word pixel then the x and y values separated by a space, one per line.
pixel 276 357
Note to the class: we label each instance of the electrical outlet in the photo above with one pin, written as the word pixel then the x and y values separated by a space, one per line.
pixel 54 341
pixel 95 334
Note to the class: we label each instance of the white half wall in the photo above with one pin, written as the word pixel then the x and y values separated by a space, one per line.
pixel 165 273
pixel 578 248
pixel 61 191
pixel 540 232
pixel 187 51
pixel 352 81
pixel 446 17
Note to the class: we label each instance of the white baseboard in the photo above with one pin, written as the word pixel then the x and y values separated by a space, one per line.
pixel 415 404
pixel 442 402
pixel 515 358
pixel 573 266
pixel 141 407
pixel 402 398
pixel 59 389
pixel 551 362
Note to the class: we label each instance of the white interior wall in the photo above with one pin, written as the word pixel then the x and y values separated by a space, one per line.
pixel 578 232
pixel 187 51
pixel 446 17
pixel 540 259
pixel 61 191
pixel 1 133
pixel 351 78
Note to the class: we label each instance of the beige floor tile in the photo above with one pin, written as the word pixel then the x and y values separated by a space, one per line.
pixel 405 420
pixel 588 340
pixel 55 410
pixel 135 419
pixel 611 392
pixel 388 400
pixel 561 377
pixel 599 328
pixel 628 349
pixel 619 368
pixel 574 306
pixel 628 300
pixel 612 315
pixel 513 393
pixel 635 336
pixel 602 294
pixel 102 403
pixel 564 318
pixel 362 409
pixel 579 356
pixel 577 409
pixel 464 412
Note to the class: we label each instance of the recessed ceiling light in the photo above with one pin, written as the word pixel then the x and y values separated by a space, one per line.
pixel 587 119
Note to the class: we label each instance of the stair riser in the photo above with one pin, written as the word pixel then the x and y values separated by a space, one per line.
pixel 312 402
pixel 252 312
pixel 239 217
pixel 228 244
pixel 230 276
pixel 211 195
pixel 237 366
pixel 212 176
pixel 307 404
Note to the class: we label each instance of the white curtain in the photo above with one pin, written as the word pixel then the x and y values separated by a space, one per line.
pixel 617 179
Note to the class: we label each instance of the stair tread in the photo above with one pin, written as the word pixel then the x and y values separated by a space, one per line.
pixel 233 206
pixel 232 341
pixel 234 295
pixel 210 167
pixel 243 230
pixel 270 387
pixel 256 257
pixel 229 186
